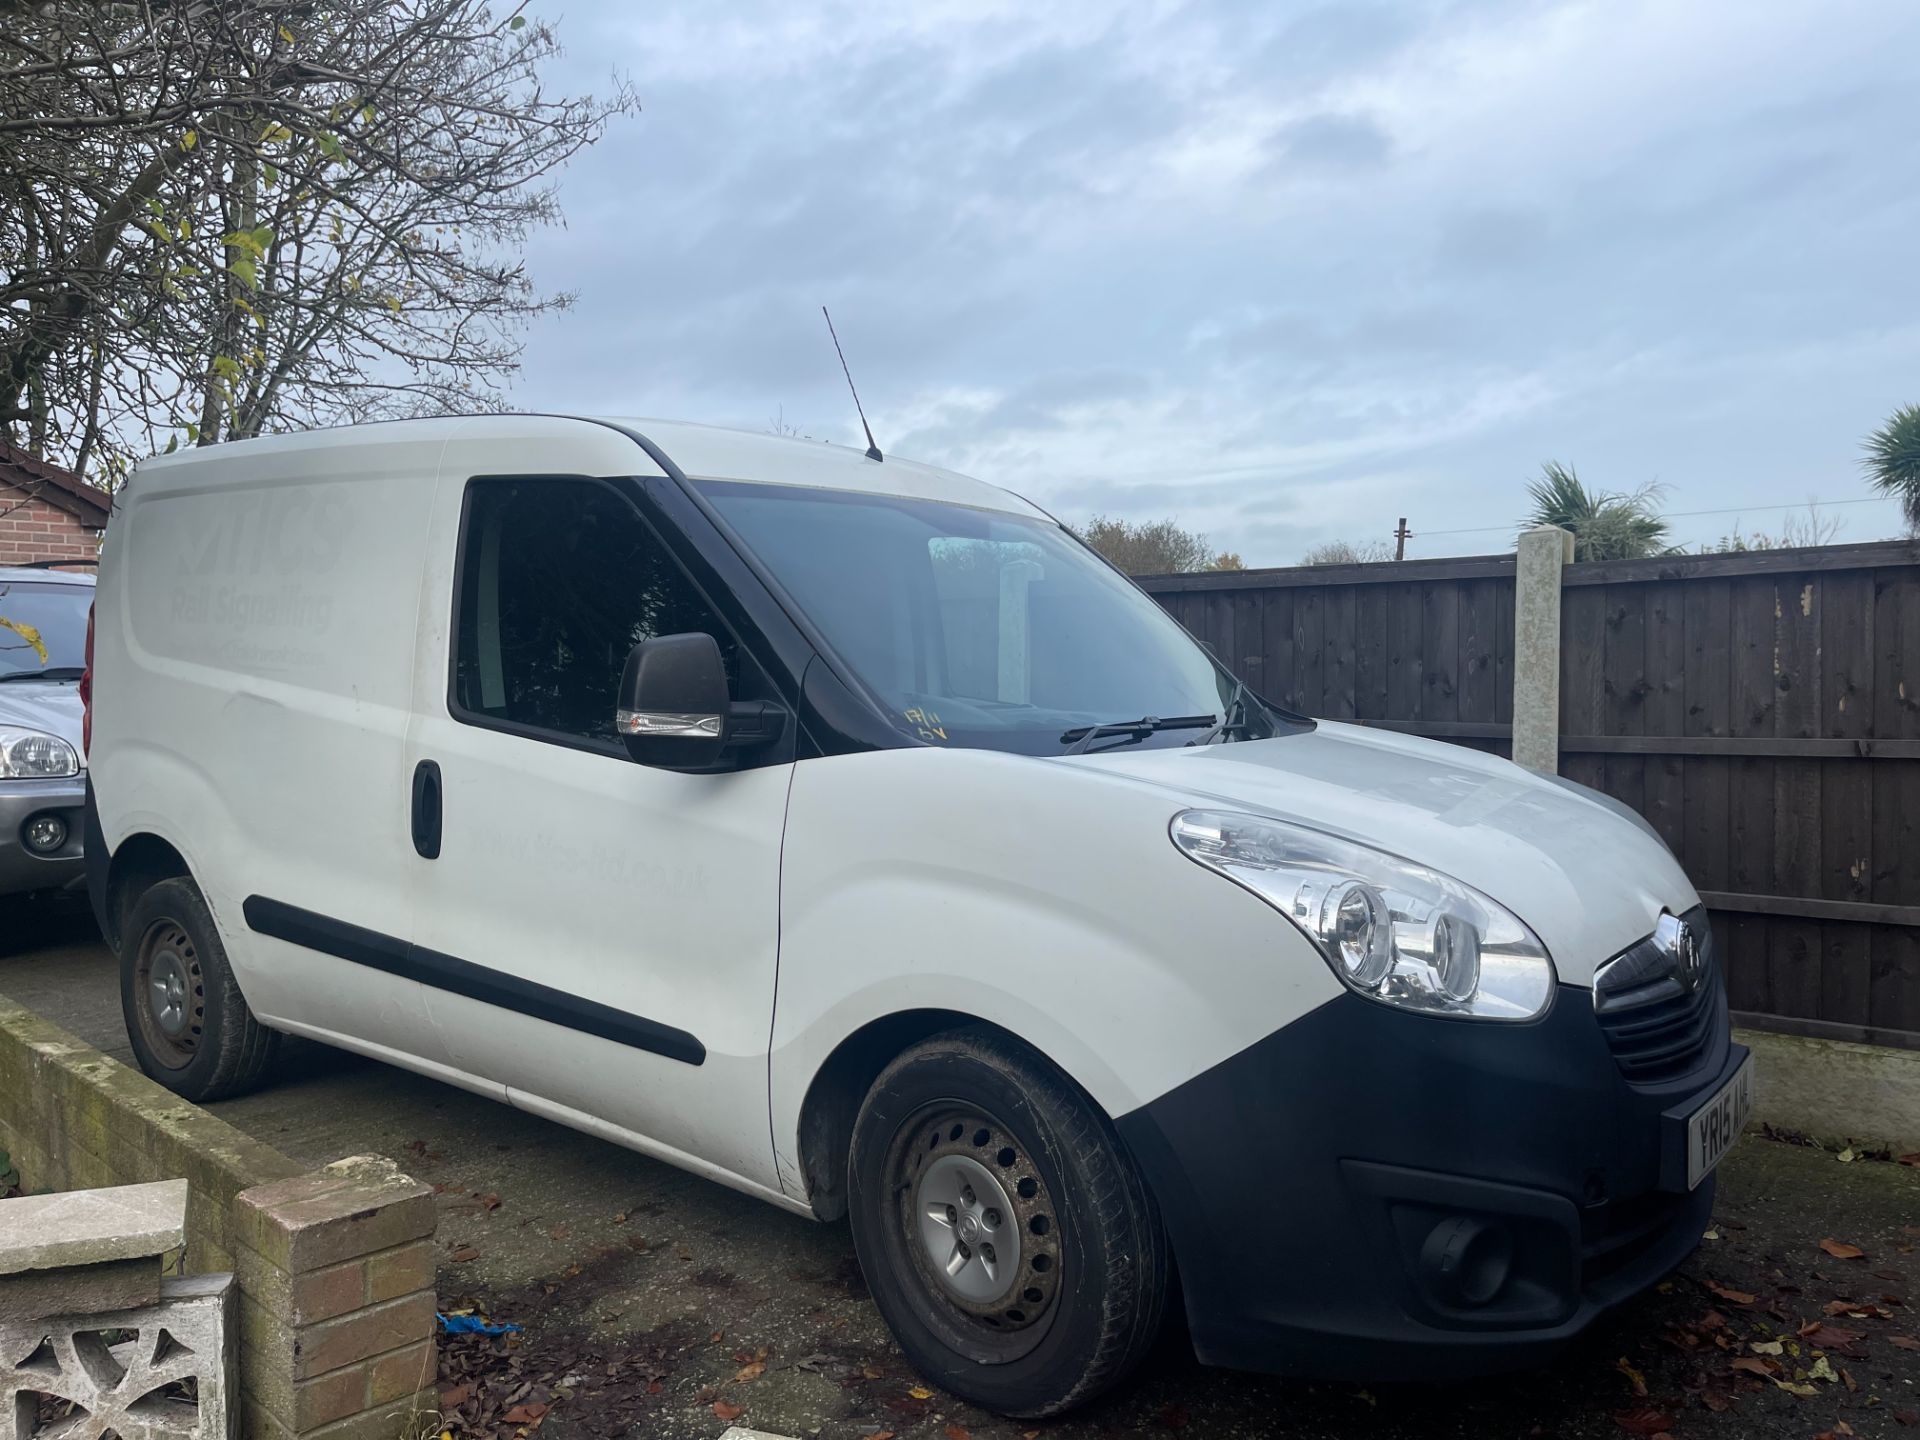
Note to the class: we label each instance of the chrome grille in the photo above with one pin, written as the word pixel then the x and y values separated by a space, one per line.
pixel 1655 1007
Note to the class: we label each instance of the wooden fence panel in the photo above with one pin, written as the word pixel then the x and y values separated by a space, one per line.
pixel 1761 710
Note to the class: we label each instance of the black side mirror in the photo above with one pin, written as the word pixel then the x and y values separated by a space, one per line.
pixel 676 711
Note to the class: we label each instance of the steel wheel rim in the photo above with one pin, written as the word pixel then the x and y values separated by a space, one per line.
pixel 967 1232
pixel 947 1151
pixel 171 994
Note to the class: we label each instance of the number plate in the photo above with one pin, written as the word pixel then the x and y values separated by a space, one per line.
pixel 1712 1129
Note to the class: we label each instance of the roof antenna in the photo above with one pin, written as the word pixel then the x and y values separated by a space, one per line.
pixel 873 450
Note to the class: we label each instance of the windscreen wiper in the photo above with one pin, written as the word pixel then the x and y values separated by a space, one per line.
pixel 1081 736
pixel 57 672
pixel 1234 721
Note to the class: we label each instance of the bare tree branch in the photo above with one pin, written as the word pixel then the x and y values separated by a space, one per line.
pixel 223 218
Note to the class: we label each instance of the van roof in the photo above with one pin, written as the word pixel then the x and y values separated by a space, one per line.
pixel 715 452
pixel 704 452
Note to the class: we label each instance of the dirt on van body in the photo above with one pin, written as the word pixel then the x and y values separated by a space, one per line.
pixel 655 1304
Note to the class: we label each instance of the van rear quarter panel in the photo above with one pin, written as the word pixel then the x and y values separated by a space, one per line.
pixel 1043 897
pixel 253 691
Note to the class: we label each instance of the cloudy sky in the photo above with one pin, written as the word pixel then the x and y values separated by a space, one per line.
pixel 1282 271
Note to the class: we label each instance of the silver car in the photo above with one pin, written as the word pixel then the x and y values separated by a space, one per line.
pixel 43 777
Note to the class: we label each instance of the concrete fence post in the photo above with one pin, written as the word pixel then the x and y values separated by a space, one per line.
pixel 1543 551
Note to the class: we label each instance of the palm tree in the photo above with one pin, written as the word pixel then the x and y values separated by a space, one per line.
pixel 1893 460
pixel 1605 526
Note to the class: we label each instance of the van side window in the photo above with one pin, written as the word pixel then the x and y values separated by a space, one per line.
pixel 559 579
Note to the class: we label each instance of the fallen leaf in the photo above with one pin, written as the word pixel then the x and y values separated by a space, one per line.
pixel 561 1231
pixel 1634 1377
pixel 1764 1347
pixel 1795 1388
pixel 464 1254
pixel 1913 1160
pixel 727 1413
pixel 1748 1364
pixel 1907 1417
pixel 1717 1402
pixel 1646 1421
pixel 958 1432
pixel 752 1370
pixel 488 1202
pixel 1846 1156
pixel 1856 1310
pixel 619 1217
pixel 452 1397
pixel 1828 1337
pixel 1839 1250
pixel 1822 1369
pixel 1904 1342
pixel 1732 1297
pixel 879 1435
pixel 920 1392
pixel 525 1414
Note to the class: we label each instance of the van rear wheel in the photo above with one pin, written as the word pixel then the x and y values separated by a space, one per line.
pixel 1008 1240
pixel 189 1026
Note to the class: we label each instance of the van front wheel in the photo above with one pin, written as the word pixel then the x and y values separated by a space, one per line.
pixel 1008 1240
pixel 189 1026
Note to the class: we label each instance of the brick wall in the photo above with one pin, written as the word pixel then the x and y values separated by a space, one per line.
pixel 334 1266
pixel 337 1304
pixel 32 528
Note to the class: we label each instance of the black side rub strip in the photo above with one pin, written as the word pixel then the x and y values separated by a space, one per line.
pixel 462 977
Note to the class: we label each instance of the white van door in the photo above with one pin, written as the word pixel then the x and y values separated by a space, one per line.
pixel 596 935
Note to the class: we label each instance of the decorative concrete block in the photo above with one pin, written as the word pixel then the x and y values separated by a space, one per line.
pixel 66 1376
pixel 70 1289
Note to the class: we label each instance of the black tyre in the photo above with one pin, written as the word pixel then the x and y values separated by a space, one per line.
pixel 189 1025
pixel 1008 1240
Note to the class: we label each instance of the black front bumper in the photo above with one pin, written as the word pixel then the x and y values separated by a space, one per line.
pixel 1343 1195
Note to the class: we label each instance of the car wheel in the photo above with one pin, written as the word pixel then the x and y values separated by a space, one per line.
pixel 1007 1238
pixel 189 1026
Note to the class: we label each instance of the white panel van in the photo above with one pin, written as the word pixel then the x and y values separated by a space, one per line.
pixel 844 830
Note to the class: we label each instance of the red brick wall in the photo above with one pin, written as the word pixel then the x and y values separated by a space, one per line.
pixel 41 530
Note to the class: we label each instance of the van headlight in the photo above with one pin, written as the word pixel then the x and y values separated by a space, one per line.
pixel 1391 929
pixel 30 755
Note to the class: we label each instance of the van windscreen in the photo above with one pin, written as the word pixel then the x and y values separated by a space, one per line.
pixel 977 627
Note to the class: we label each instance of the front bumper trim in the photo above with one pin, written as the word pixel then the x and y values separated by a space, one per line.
pixel 1370 1196
pixel 21 870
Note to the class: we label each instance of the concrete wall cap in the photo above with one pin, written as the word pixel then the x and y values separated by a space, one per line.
pixel 86 1227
